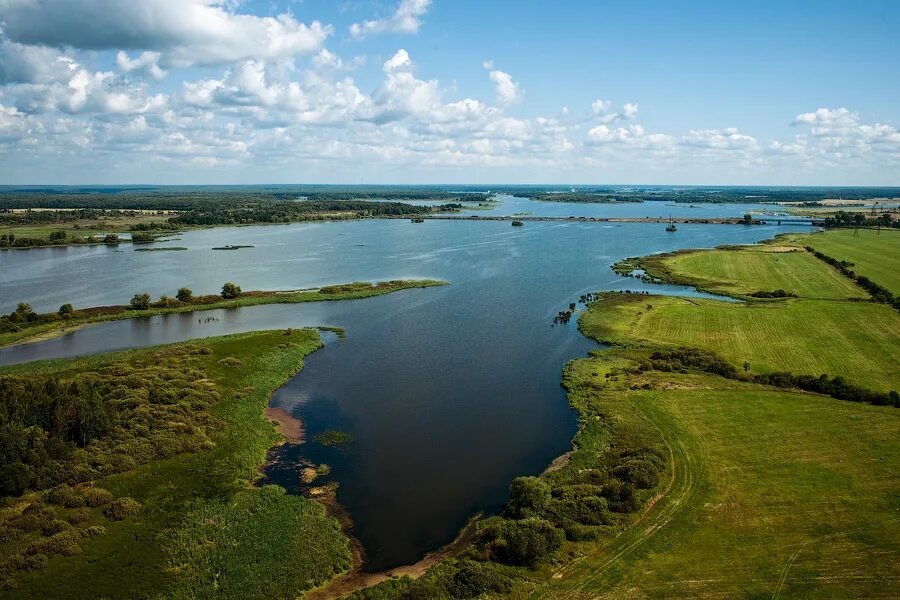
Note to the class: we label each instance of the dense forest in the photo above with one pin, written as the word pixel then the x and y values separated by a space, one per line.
pixel 193 198
pixel 695 194
pixel 287 212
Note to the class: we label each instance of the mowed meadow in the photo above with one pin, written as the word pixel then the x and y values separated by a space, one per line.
pixel 857 340
pixel 772 492
pixel 874 253
pixel 760 268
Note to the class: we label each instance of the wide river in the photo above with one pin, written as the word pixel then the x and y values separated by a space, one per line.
pixel 448 393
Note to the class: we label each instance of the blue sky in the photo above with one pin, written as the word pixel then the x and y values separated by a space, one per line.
pixel 419 91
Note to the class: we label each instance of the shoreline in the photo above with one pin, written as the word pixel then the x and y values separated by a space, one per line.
pixel 356 579
pixel 350 291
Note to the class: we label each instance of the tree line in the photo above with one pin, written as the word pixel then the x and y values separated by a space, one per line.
pixel 682 360
pixel 858 219
pixel 878 293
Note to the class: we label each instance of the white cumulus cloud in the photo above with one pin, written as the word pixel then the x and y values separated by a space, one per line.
pixel 407 18
pixel 185 32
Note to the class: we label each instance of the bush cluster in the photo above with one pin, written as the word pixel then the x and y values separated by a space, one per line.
pixel 779 293
pixel 836 387
pixel 681 360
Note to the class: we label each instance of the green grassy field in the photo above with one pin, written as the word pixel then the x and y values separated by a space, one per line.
pixel 772 494
pixel 858 340
pixel 757 268
pixel 202 530
pixel 875 254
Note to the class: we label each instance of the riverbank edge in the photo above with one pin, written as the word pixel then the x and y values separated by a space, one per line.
pixel 54 329
pixel 657 272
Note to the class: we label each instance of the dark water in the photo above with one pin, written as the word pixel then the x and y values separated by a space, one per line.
pixel 447 392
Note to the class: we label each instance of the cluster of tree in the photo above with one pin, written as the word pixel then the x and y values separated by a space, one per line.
pixel 56 430
pixel 142 301
pixel 140 237
pixel 153 226
pixel 879 293
pixel 682 360
pixel 779 293
pixel 287 212
pixel 45 217
pixel 859 219
pixel 836 387
pixel 22 317
pixel 56 238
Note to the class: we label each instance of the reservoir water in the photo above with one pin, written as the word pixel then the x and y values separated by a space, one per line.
pixel 448 393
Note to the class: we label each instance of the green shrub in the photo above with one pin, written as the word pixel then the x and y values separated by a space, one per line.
pixel 643 474
pixel 34 562
pixel 121 509
pixel 65 543
pixel 66 309
pixel 95 496
pixel 94 531
pixel 55 526
pixel 333 438
pixel 230 291
pixel 140 301
pixel 35 517
pixel 524 543
pixel 528 497
pixel 79 516
pixel 184 294
pixel 474 579
pixel 232 362
pixel 63 495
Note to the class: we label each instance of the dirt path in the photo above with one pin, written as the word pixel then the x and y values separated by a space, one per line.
pixel 595 572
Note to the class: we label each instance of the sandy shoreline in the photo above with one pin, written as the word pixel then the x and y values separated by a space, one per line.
pixel 288 425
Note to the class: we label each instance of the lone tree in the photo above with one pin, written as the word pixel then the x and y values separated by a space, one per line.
pixel 65 309
pixel 748 219
pixel 184 295
pixel 231 291
pixel 140 301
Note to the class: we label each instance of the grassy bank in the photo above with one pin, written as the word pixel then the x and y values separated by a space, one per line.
pixel 199 530
pixel 26 329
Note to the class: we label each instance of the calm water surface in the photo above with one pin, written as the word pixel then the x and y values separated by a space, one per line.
pixel 448 392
